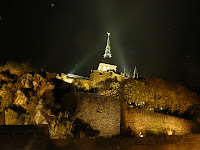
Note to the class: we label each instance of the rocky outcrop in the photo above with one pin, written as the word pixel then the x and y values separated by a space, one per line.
pixel 39 118
pixel 26 80
pixel 11 117
pixel 28 99
pixel 60 130
pixel 20 99
pixel 59 126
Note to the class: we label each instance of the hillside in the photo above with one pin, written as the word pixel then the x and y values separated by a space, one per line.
pixel 29 97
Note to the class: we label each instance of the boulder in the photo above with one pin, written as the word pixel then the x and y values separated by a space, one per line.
pixel 27 80
pixel 58 130
pixel 39 118
pixel 20 99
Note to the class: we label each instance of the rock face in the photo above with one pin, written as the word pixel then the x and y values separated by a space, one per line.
pixel 11 117
pixel 60 130
pixel 59 126
pixel 27 80
pixel 28 99
pixel 39 118
pixel 21 99
pixel 101 112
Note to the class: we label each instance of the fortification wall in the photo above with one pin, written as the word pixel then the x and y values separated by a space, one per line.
pixel 105 115
pixel 101 112
pixel 140 121
pixel 97 76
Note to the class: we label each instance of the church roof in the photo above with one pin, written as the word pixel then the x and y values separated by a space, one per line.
pixel 107 55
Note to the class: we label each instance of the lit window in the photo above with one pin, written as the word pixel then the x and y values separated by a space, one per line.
pixel 104 68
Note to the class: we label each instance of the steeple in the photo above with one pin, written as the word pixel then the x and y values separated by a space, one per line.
pixel 107 49
pixel 106 64
pixel 135 73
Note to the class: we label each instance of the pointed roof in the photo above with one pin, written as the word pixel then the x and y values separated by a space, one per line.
pixel 135 73
pixel 107 55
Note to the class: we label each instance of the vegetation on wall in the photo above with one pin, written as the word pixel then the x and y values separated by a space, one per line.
pixel 158 94
pixel 109 87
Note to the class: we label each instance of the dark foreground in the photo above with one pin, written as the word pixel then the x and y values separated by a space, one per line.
pixel 36 138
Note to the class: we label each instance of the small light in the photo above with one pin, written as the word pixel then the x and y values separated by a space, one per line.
pixel 118 147
pixel 169 132
pixel 141 135
pixel 52 4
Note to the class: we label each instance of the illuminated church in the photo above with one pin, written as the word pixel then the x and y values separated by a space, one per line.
pixel 105 71
pixel 105 65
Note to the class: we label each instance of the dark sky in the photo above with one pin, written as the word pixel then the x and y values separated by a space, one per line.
pixel 160 37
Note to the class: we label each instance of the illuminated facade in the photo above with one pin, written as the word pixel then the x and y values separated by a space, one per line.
pixel 105 71
pixel 106 64
pixel 107 67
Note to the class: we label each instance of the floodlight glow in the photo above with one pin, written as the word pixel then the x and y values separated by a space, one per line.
pixel 141 135
pixel 83 61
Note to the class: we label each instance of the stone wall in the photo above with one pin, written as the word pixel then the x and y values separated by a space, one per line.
pixel 105 114
pixel 82 83
pixel 97 76
pixel 101 112
pixel 140 122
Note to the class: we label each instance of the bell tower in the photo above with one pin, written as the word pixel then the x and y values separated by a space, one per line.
pixel 105 65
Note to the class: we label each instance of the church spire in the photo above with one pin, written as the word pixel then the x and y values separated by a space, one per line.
pixel 135 73
pixel 105 65
pixel 107 49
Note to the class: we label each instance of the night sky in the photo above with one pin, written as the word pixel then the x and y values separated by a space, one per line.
pixel 160 37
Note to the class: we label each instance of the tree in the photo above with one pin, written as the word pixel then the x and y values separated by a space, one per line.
pixel 158 94
pixel 109 87
pixel 18 67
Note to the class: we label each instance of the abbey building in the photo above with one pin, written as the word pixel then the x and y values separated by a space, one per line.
pixel 105 71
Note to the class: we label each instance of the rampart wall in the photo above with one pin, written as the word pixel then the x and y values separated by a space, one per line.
pixel 141 122
pixel 101 112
